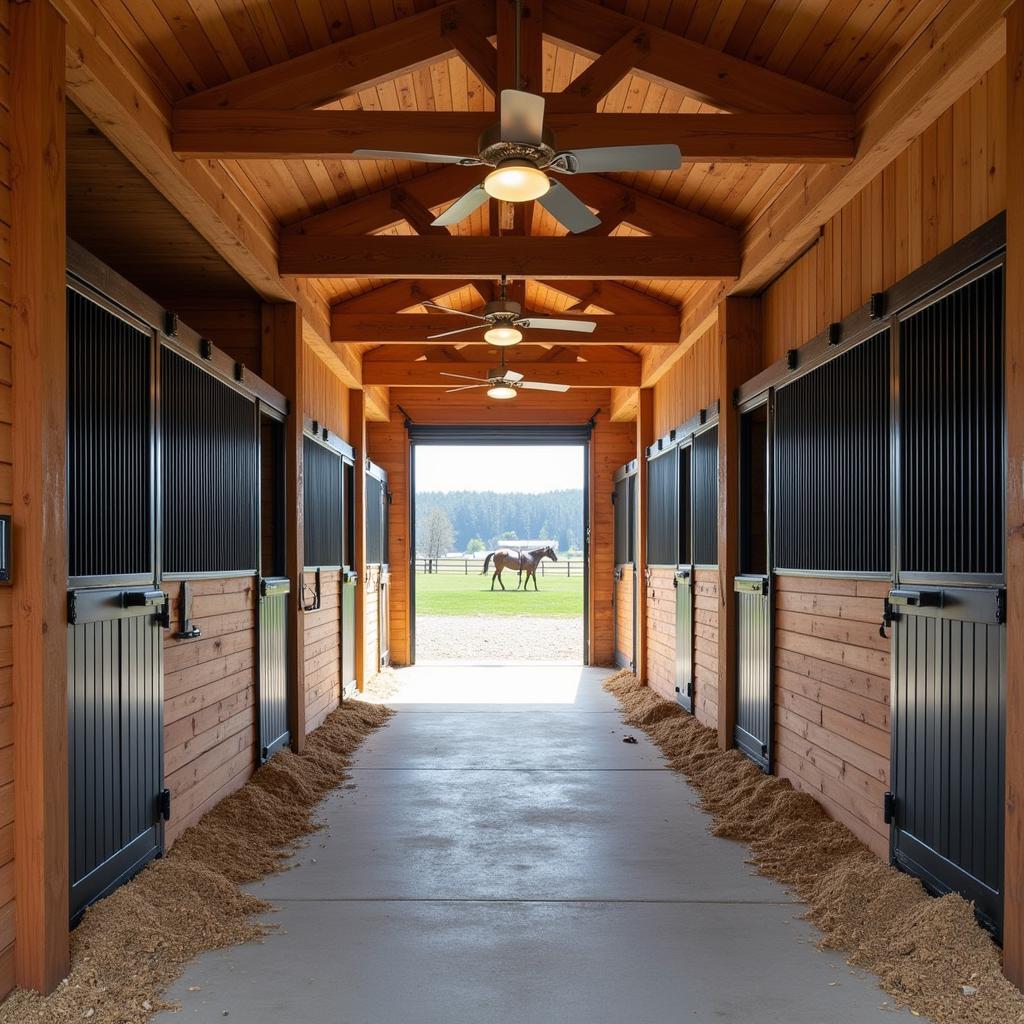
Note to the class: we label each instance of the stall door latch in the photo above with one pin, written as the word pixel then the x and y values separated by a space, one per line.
pixel 164 804
pixel 889 808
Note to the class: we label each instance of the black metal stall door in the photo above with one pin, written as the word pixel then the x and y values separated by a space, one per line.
pixel 752 593
pixel 116 801
pixel 949 673
pixel 947 728
pixel 684 638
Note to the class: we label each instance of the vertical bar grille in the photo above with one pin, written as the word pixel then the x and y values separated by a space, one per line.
pixel 374 535
pixel 662 509
pixel 831 470
pixel 951 440
pixel 109 452
pixel 622 521
pixel 208 434
pixel 322 505
pixel 705 498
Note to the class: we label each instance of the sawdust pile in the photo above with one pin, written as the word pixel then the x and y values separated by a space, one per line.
pixel 133 944
pixel 930 954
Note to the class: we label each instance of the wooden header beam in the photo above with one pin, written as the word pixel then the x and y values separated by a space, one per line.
pixel 386 329
pixel 571 257
pixel 594 373
pixel 318 134
pixel 615 297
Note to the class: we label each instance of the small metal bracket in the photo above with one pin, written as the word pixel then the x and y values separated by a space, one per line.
pixel 72 608
pixel 5 549
pixel 889 808
pixel 315 428
pixel 1000 606
pixel 240 372
pixel 170 324
pixel 835 333
pixel 188 630
pixel 792 358
pixel 315 606
pixel 876 305
pixel 205 348
pixel 164 804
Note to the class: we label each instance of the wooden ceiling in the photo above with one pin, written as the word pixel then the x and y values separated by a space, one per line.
pixel 841 47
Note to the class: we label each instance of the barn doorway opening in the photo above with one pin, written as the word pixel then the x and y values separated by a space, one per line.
pixel 499 541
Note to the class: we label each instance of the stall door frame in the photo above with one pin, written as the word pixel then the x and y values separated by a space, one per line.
pixel 754 597
pixel 117 600
pixel 274 596
pixel 627 472
pixel 683 579
pixel 945 611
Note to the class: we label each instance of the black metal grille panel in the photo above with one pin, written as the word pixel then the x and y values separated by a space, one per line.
pixel 109 455
pixel 623 521
pixel 210 484
pixel 662 509
pixel 832 464
pixel 705 497
pixel 948 754
pixel 951 421
pixel 374 532
pixel 322 505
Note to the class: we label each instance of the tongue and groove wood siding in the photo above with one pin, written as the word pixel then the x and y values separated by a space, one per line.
pixel 660 595
pixel 6 458
pixel 706 603
pixel 323 651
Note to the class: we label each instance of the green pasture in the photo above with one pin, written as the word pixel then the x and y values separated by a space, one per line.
pixel 458 594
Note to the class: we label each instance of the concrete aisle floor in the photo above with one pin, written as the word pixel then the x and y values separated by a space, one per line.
pixel 505 857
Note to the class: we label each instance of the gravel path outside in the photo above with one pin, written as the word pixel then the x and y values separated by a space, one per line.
pixel 491 639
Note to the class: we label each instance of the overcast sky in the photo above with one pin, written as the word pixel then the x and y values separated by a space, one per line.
pixel 531 469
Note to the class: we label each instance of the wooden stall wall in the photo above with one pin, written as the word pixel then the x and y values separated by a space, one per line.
pixel 689 386
pixel 612 445
pixel 210 724
pixel 832 667
pixel 6 457
pixel 232 325
pixel 326 398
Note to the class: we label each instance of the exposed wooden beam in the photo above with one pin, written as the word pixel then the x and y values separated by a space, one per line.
pixel 416 215
pixel 956 48
pixel 625 402
pixel 612 296
pixel 345 67
pixel 246 134
pixel 476 50
pixel 38 637
pixel 415 327
pixel 570 257
pixel 593 373
pixel 587 89
pixel 678 63
pixel 397 296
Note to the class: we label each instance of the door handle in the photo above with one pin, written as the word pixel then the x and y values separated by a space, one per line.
pixel 916 598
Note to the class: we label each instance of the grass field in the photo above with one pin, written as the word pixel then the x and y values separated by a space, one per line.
pixel 456 594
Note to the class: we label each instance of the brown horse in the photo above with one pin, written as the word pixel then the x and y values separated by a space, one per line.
pixel 517 561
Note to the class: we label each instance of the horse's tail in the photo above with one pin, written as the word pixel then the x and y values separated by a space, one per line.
pixel 487 562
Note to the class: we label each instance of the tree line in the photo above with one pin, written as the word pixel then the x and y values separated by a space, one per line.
pixel 484 520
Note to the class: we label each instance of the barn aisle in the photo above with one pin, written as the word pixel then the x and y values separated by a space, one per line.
pixel 505 856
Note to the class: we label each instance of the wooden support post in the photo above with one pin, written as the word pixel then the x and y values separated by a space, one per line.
pixel 644 437
pixel 284 366
pixel 1013 892
pixel 739 358
pixel 357 438
pixel 39 564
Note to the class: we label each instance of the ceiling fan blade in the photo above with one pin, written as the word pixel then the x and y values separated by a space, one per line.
pixel 567 209
pixel 423 158
pixel 618 158
pixel 462 376
pixel 458 330
pixel 462 208
pixel 513 375
pixel 550 323
pixel 522 117
pixel 536 385
pixel 465 387
pixel 452 312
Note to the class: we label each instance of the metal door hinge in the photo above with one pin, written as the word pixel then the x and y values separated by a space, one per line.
pixel 164 804
pixel 889 808
pixel 1000 607
pixel 72 608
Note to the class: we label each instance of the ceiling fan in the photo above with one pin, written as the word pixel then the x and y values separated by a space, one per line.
pixel 502 382
pixel 520 150
pixel 503 321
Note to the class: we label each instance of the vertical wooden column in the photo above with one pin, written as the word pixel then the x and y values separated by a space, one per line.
pixel 644 438
pixel 1013 898
pixel 739 358
pixel 39 563
pixel 357 438
pixel 283 360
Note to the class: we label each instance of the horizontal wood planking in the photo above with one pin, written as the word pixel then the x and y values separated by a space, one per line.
pixel 949 181
pixel 624 617
pixel 660 595
pixel 705 646
pixel 832 698
pixel 210 698
pixel 322 635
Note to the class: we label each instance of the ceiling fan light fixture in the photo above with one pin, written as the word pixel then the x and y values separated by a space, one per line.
pixel 516 181
pixel 501 391
pixel 503 337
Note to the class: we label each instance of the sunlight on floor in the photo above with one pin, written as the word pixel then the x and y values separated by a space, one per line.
pixel 475 684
